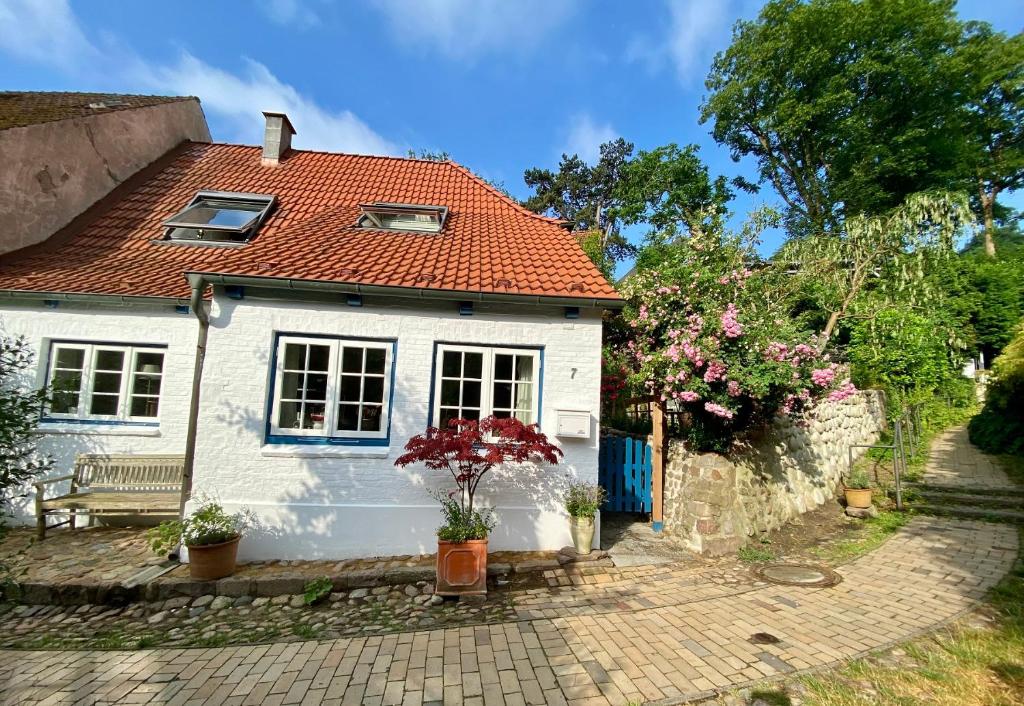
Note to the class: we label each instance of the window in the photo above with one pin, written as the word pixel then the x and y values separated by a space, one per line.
pixel 104 382
pixel 219 217
pixel 398 216
pixel 332 388
pixel 473 382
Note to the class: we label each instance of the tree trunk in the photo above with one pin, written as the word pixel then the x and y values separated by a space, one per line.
pixel 988 201
pixel 829 328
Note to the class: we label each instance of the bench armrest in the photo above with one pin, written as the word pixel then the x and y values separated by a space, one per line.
pixel 40 483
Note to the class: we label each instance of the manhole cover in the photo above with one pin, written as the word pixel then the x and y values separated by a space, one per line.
pixel 799 575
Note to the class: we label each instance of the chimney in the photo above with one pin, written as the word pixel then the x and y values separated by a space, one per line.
pixel 277 138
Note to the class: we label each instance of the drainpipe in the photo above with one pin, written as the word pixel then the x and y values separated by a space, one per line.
pixel 199 309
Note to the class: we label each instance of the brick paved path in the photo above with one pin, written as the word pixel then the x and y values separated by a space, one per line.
pixel 955 463
pixel 665 638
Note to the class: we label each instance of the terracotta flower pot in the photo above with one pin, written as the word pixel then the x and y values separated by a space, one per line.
pixel 582 529
pixel 461 568
pixel 213 561
pixel 858 497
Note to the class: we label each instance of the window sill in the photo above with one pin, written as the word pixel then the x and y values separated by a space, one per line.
pixel 98 429
pixel 323 451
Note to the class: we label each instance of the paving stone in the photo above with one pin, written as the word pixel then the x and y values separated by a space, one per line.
pixel 221 602
pixel 203 601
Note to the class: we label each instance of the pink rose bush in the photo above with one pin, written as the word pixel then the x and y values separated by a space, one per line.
pixel 702 337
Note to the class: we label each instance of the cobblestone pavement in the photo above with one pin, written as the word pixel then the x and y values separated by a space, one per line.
pixel 954 462
pixel 670 635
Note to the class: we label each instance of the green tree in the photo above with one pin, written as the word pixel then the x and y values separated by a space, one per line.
pixel 584 197
pixel 20 407
pixel 992 120
pixel 848 106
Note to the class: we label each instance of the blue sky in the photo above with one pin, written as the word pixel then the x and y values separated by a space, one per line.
pixel 502 85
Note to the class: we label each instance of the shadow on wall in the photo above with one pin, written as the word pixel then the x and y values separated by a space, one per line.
pixel 339 508
pixel 715 502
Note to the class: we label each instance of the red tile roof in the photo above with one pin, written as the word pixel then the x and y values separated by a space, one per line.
pixel 22 108
pixel 489 243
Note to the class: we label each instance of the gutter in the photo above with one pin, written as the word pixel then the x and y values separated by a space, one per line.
pixel 198 307
pixel 300 285
pixel 123 299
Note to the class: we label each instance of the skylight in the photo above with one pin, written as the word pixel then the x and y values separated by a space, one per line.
pixel 402 216
pixel 219 217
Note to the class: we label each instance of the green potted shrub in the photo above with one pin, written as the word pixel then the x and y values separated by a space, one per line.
pixel 582 501
pixel 211 535
pixel 857 488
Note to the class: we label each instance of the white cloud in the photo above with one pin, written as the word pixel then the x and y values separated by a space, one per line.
pixel 695 31
pixel 295 13
pixel 463 29
pixel 586 137
pixel 47 32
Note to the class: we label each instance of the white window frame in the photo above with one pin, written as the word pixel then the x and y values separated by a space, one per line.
pixel 85 391
pixel 333 387
pixel 490 353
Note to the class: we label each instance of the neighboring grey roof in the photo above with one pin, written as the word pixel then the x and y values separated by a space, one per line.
pixel 23 108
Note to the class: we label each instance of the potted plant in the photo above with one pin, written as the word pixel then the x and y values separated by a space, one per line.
pixel 467 449
pixel 582 501
pixel 857 487
pixel 211 535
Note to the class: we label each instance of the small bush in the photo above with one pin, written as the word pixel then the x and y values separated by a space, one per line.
pixel 583 499
pixel 857 480
pixel 999 428
pixel 317 589
pixel 209 524
pixel 463 525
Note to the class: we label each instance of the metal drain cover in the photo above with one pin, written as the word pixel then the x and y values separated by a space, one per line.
pixel 799 575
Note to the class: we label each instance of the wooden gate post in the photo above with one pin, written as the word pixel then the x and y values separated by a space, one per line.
pixel 658 465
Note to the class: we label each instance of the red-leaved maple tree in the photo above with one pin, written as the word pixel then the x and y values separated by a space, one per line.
pixel 468 449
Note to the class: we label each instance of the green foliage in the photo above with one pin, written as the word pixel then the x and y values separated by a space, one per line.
pixel 209 524
pixel 826 114
pixel 857 479
pixel 751 554
pixel 317 589
pixel 429 155
pixel 20 409
pixel 462 524
pixel 583 499
pixel 900 352
pixel 999 428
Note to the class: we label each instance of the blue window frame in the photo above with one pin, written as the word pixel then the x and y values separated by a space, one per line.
pixel 331 390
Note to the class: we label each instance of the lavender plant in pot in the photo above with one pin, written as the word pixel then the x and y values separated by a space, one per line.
pixel 857 488
pixel 582 501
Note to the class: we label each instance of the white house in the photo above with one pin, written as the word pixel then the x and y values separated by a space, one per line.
pixel 325 307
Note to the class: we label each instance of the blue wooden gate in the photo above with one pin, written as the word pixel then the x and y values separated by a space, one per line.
pixel 624 471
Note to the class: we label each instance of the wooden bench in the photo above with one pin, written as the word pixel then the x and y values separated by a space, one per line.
pixel 114 484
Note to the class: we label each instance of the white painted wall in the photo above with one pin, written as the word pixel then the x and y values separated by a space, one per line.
pixel 120 324
pixel 355 502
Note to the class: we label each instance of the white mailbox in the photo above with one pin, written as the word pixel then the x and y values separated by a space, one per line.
pixel 573 423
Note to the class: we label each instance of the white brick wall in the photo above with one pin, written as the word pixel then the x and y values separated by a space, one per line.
pixel 357 503
pixel 119 324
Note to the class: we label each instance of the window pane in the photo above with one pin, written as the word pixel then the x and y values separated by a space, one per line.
pixel 525 417
pixel 375 360
pixel 319 357
pixel 373 390
pixel 447 414
pixel 524 396
pixel 349 388
pixel 471 414
pixel 313 416
pixel 149 363
pixel 106 382
pixel 502 395
pixel 371 417
pixel 109 360
pixel 66 381
pixel 352 360
pixel 70 358
pixel 64 403
pixel 474 365
pixel 449 392
pixel 451 365
pixel 291 386
pixel 146 384
pixel 289 418
pixel 524 367
pixel 103 404
pixel 348 417
pixel 294 356
pixel 316 386
pixel 502 413
pixel 145 406
pixel 470 394
pixel 503 367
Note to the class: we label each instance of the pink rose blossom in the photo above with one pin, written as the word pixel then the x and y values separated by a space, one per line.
pixel 718 410
pixel 689 396
pixel 733 388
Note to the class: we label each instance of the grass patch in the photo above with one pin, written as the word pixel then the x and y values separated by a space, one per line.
pixel 305 631
pixel 868 537
pixel 755 554
pixel 963 666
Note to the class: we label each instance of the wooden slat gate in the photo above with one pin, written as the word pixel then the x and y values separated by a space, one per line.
pixel 624 471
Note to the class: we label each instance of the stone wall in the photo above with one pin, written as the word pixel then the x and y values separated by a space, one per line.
pixel 715 502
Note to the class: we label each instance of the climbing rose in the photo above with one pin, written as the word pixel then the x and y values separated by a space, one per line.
pixel 730 326
pixel 718 410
